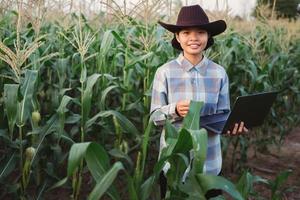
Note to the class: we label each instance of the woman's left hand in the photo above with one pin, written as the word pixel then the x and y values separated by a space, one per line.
pixel 238 129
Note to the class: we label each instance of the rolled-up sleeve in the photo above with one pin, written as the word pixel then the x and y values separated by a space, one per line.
pixel 160 108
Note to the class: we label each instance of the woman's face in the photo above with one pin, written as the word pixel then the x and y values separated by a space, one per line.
pixel 192 40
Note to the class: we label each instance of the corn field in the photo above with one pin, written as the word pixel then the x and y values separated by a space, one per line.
pixel 75 99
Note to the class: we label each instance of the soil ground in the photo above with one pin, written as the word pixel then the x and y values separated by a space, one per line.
pixel 269 164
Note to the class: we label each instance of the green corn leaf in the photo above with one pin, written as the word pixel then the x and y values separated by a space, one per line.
pixel 41 191
pixel 49 128
pixel 199 139
pixel 145 143
pixel 62 109
pixel 160 164
pixel 139 59
pixel 245 183
pixel 87 96
pixel 97 160
pixel 253 69
pixel 184 158
pixel 120 155
pixel 192 119
pixel 104 95
pixel 59 183
pixel 279 180
pixel 208 182
pixel 126 125
pixel 218 198
pixel 7 140
pixel 94 119
pixel 171 143
pixel 190 187
pixel 8 167
pixel 61 67
pixel 109 77
pixel 105 182
pixel 171 131
pixel 64 90
pixel 184 143
pixel 26 89
pixel 106 42
pixel 76 154
pixel 67 139
pixel 73 118
pixel 10 102
pixel 63 105
pixel 132 189
pixel 259 179
pixel 119 38
pixel 98 163
pixel 147 187
pixel 179 163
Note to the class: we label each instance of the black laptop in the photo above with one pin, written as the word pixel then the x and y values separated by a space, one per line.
pixel 251 109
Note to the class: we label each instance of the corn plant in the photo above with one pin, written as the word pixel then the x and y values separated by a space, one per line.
pixel 245 185
pixel 18 103
pixel 82 43
pixel 92 84
pixel 179 144
pixel 276 186
pixel 98 163
pixel 16 59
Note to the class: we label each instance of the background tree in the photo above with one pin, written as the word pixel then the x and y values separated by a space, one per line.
pixel 283 8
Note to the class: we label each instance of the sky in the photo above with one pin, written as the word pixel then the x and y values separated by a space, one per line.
pixel 242 8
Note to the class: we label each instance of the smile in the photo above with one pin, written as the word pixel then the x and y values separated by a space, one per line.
pixel 194 45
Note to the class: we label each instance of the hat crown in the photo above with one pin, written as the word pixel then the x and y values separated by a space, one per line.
pixel 191 15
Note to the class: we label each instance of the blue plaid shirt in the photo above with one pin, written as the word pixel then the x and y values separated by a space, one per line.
pixel 179 80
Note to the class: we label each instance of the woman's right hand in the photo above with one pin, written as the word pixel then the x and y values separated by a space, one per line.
pixel 182 107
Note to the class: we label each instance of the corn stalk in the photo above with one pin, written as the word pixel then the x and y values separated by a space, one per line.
pixel 83 40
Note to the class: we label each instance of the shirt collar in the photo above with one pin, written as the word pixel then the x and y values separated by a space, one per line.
pixel 187 66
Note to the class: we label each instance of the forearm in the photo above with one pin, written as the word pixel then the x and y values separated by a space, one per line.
pixel 159 114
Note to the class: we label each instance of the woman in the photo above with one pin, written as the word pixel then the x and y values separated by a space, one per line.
pixel 192 76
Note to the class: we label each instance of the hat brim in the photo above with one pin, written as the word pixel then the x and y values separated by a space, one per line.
pixel 176 44
pixel 213 28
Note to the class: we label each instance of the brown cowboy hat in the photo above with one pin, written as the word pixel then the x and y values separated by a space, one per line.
pixel 194 16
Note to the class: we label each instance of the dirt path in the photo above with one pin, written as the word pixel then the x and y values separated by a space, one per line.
pixel 268 165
